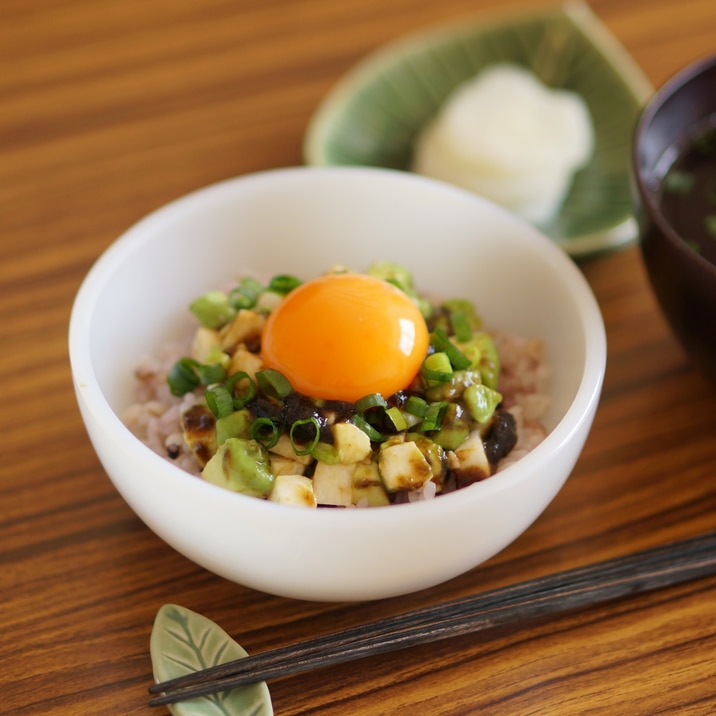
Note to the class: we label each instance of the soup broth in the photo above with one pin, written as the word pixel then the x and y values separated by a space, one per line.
pixel 688 193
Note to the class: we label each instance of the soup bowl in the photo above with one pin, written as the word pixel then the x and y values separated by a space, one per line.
pixel 682 277
pixel 301 221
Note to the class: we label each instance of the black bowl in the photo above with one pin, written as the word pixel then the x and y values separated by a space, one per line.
pixel 683 281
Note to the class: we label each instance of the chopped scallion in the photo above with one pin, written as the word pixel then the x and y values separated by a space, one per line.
pixel 241 399
pixel 710 222
pixel 309 447
pixel 265 432
pixel 374 400
pixel 396 419
pixel 434 415
pixel 367 428
pixel 246 294
pixel 437 369
pixel 461 326
pixel 416 406
pixel 219 401
pixel 273 383
pixel 182 377
pixel 283 283
pixel 441 342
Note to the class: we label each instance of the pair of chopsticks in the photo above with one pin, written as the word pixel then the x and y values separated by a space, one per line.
pixel 636 573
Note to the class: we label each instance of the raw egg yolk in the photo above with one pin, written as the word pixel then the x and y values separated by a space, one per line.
pixel 344 336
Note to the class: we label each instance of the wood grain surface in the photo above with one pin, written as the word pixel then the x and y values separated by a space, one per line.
pixel 110 109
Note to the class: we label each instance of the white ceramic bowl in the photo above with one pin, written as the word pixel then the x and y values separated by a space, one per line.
pixel 302 220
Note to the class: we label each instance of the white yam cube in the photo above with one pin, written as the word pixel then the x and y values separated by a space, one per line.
pixel 352 443
pixel 293 490
pixel 333 484
pixel 403 467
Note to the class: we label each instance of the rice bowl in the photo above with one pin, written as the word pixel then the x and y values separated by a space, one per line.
pixel 131 301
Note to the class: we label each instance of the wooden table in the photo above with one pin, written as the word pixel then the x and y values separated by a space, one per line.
pixel 109 109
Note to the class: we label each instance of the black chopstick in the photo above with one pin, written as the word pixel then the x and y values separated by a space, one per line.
pixel 561 592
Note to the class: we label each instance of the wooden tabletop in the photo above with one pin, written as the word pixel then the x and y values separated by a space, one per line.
pixel 110 109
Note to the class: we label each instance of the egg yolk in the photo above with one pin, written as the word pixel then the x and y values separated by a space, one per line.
pixel 344 336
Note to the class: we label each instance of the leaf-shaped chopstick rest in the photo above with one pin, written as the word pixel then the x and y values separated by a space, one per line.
pixel 183 642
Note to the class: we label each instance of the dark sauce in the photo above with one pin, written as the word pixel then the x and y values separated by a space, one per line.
pixel 688 192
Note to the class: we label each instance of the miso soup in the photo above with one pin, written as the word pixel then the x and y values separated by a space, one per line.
pixel 688 192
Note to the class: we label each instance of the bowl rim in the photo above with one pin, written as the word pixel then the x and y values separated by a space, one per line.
pixel 667 90
pixel 90 395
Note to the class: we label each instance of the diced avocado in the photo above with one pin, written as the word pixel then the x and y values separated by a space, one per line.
pixel 212 309
pixel 293 490
pixel 332 484
pixel 482 401
pixel 325 452
pixel 455 427
pixel 242 466
pixel 233 425
pixel 434 454
pixel 368 488
pixel 403 466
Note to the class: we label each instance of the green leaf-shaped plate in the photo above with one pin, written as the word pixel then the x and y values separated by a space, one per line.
pixel 183 642
pixel 373 116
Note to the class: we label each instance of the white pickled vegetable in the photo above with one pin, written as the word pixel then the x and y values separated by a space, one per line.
pixel 506 136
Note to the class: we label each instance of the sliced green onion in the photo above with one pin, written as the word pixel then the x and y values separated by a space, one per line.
pixel 437 369
pixel 396 419
pixel 441 342
pixel 434 415
pixel 213 309
pixel 273 383
pixel 374 400
pixel 266 432
pixel 461 326
pixel 284 283
pixel 367 428
pixel 415 405
pixel 219 400
pixel 182 377
pixel 211 373
pixel 246 294
pixel 242 399
pixel 307 449
pixel 710 221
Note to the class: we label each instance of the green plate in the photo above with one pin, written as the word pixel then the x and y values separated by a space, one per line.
pixel 374 114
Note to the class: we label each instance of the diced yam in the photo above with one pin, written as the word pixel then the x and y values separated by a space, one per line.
pixel 403 467
pixel 246 326
pixel 285 465
pixel 333 484
pixel 293 490
pixel 352 443
pixel 243 360
pixel 284 448
pixel 199 431
pixel 204 340
pixel 472 463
